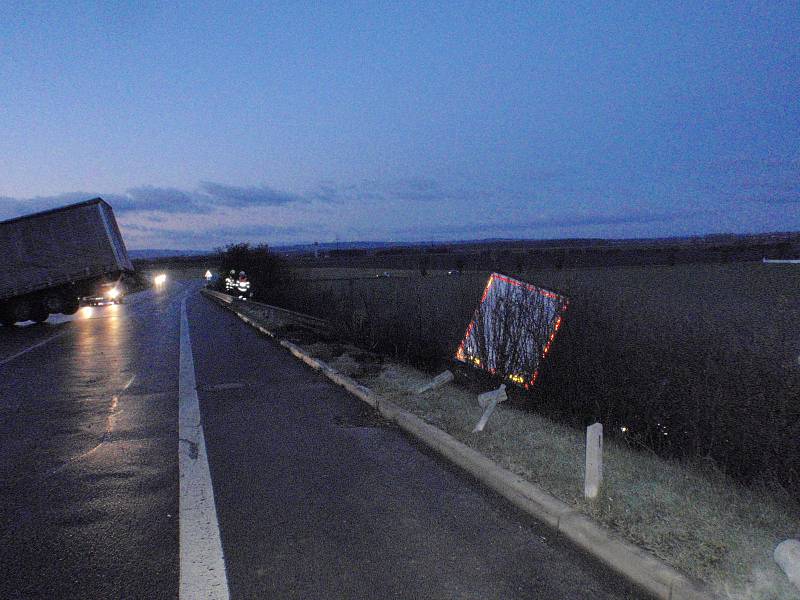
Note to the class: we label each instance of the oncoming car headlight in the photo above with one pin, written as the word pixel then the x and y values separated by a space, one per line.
pixel 113 293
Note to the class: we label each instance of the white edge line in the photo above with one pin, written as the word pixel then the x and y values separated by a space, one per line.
pixel 202 563
pixel 34 347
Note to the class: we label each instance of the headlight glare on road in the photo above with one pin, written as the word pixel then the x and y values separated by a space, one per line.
pixel 160 279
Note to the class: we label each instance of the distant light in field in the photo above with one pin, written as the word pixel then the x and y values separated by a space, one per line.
pixel 623 429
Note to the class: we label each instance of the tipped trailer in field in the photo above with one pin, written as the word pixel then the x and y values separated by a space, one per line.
pixel 50 260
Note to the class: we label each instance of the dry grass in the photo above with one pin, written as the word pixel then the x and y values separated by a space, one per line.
pixel 705 353
pixel 696 519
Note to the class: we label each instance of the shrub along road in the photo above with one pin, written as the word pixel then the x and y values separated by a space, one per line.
pixel 314 496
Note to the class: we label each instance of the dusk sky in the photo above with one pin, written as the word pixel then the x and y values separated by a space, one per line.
pixel 209 123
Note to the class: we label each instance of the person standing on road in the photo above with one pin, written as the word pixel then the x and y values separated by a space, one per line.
pixel 243 286
pixel 230 282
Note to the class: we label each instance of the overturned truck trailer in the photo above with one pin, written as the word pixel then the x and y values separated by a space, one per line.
pixel 51 259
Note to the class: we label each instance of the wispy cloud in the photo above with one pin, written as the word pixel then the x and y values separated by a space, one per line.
pixel 214 214
pixel 157 199
pixel 146 235
pixel 768 181
pixel 219 194
pixel 13 207
pixel 536 226
pixel 417 190
pixel 206 199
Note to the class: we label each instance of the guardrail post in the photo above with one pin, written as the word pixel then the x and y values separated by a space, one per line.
pixel 787 555
pixel 438 381
pixel 594 460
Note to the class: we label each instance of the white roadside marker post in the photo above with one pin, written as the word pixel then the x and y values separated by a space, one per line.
pixel 438 381
pixel 594 460
pixel 489 401
pixel 787 555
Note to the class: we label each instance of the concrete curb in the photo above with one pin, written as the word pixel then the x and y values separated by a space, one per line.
pixel 635 564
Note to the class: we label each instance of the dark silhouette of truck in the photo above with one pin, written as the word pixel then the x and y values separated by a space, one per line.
pixel 50 260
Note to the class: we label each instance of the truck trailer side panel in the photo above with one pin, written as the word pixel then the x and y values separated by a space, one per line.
pixel 59 247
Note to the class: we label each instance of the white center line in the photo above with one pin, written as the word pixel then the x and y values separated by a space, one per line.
pixel 202 564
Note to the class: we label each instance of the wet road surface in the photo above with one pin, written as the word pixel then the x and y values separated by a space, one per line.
pixel 315 497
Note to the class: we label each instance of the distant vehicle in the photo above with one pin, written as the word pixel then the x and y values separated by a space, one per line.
pixel 51 259
pixel 454 272
pixel 384 274
pixel 107 293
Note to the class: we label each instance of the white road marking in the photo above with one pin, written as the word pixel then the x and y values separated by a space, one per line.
pixel 111 420
pixel 202 564
pixel 34 347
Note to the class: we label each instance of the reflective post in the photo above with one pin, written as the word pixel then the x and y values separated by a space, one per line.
pixel 594 460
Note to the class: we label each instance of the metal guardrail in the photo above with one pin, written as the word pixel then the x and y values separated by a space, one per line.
pixel 781 261
pixel 218 295
pixel 296 317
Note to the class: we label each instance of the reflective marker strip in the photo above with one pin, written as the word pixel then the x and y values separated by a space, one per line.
pixel 202 564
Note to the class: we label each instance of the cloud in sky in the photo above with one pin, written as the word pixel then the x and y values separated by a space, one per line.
pixel 767 181
pixel 533 226
pixel 208 198
pixel 416 189
pixel 219 194
pixel 150 236
pixel 419 209
pixel 157 199
pixel 420 119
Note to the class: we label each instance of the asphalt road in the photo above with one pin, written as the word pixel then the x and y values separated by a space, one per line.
pixel 315 497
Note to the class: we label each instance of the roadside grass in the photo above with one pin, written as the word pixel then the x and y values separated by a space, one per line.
pixel 689 515
pixel 696 361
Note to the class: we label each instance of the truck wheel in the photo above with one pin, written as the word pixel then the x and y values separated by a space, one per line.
pixel 52 302
pixel 70 305
pixel 20 310
pixel 5 315
pixel 39 313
